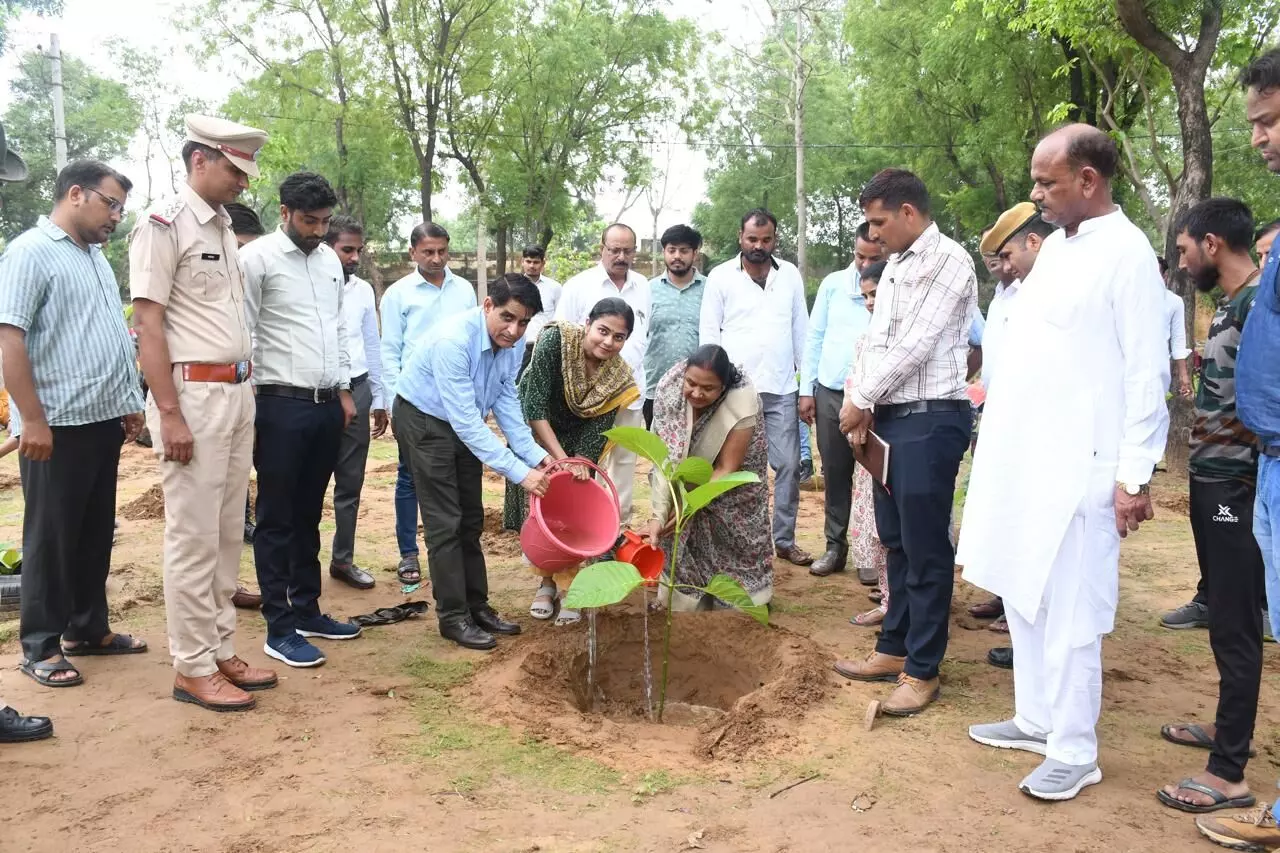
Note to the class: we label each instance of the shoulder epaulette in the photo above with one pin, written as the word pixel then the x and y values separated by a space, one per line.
pixel 165 212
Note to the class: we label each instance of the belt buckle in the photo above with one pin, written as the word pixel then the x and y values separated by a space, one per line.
pixel 315 396
pixel 242 371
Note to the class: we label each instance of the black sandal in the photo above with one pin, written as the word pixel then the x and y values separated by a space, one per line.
pixel 120 644
pixel 391 615
pixel 41 670
pixel 1220 800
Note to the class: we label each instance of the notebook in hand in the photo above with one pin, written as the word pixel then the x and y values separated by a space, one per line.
pixel 874 456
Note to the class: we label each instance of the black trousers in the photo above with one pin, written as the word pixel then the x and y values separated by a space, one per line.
pixel 647 411
pixel 1231 564
pixel 67 527
pixel 837 467
pixel 914 522
pixel 295 452
pixel 447 479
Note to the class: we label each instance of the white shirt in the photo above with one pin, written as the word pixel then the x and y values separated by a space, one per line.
pixel 997 328
pixel 1175 318
pixel 1080 407
pixel 550 290
pixel 762 328
pixel 581 293
pixel 293 305
pixel 362 336
pixel 918 341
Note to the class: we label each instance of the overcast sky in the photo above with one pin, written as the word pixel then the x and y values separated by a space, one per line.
pixel 87 25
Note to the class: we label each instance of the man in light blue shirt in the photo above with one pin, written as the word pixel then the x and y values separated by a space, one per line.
pixel 410 307
pixel 464 369
pixel 838 319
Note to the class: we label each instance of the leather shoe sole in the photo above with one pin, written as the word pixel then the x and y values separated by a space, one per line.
pixel 183 696
pixel 351 579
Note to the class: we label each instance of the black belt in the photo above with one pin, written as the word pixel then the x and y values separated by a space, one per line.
pixel 315 395
pixel 1272 450
pixel 357 381
pixel 901 410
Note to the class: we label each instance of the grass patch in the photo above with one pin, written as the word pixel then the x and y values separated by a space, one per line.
pixel 452 738
pixel 8 631
pixel 654 783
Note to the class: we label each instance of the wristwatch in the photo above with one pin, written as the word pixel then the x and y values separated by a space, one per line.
pixel 1134 490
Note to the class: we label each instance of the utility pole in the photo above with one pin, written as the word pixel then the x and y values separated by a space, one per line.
pixel 799 78
pixel 482 262
pixel 59 117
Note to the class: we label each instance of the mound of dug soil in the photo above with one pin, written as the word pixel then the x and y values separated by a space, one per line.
pixel 148 506
pixel 495 541
pixel 735 686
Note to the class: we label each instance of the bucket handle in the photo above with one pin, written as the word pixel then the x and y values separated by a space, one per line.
pixel 534 500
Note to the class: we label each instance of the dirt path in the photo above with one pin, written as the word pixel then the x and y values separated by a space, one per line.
pixel 402 742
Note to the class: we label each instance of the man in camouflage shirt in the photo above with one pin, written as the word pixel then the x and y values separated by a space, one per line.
pixel 1213 240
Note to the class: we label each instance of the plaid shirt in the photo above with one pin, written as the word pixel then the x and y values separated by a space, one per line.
pixel 918 343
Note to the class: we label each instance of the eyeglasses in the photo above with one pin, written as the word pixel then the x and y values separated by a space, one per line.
pixel 621 251
pixel 113 205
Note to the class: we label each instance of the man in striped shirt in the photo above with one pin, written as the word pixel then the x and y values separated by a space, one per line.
pixel 913 389
pixel 69 368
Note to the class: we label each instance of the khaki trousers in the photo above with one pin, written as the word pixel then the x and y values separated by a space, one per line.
pixel 620 464
pixel 204 521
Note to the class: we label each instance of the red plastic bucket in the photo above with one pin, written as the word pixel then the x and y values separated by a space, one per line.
pixel 648 560
pixel 575 521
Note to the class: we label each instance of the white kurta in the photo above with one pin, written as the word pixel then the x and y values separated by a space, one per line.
pixel 1079 406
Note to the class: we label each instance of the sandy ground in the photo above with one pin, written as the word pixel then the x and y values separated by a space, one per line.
pixel 403 742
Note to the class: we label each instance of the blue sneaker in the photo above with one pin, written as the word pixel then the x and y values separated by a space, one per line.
pixel 293 650
pixel 328 628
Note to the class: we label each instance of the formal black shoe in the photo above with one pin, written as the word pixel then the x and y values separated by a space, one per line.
pixel 488 619
pixel 250 529
pixel 829 563
pixel 351 575
pixel 465 633
pixel 15 728
pixel 1001 656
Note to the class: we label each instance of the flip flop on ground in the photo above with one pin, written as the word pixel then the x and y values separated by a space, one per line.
pixel 1195 734
pixel 1220 800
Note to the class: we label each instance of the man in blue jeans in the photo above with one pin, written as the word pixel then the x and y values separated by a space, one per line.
pixel 409 308
pixel 1258 404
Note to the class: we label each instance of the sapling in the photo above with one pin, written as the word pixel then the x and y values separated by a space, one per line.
pixel 691 488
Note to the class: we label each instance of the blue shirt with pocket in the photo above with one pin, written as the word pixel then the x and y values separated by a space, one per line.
pixel 839 317
pixel 457 374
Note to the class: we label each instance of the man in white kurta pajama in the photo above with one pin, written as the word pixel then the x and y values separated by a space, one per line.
pixel 1071 434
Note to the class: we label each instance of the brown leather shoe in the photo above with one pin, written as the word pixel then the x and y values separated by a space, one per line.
pixel 795 555
pixel 245 599
pixel 247 677
pixel 989 609
pixel 875 667
pixel 912 696
pixel 212 692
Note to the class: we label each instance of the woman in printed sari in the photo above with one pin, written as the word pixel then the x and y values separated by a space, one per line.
pixel 575 384
pixel 864 542
pixel 705 407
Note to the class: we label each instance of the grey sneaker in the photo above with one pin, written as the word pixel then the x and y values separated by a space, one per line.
pixel 1193 614
pixel 1007 735
pixel 1053 780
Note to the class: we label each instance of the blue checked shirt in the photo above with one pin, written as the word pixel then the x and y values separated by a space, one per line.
pixel 66 300
pixel 458 376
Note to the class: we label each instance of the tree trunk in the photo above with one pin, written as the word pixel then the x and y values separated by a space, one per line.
pixel 500 249
pixel 802 206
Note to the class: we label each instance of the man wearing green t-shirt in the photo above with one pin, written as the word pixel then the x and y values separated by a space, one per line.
pixel 1213 240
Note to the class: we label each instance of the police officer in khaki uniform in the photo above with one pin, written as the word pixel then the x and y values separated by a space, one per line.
pixel 188 297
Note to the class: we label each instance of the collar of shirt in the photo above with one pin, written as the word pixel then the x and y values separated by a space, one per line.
pixel 773 268
pixel 853 281
pixel 698 278
pixel 202 209
pixel 54 232
pixel 1096 223
pixel 926 242
pixel 634 279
